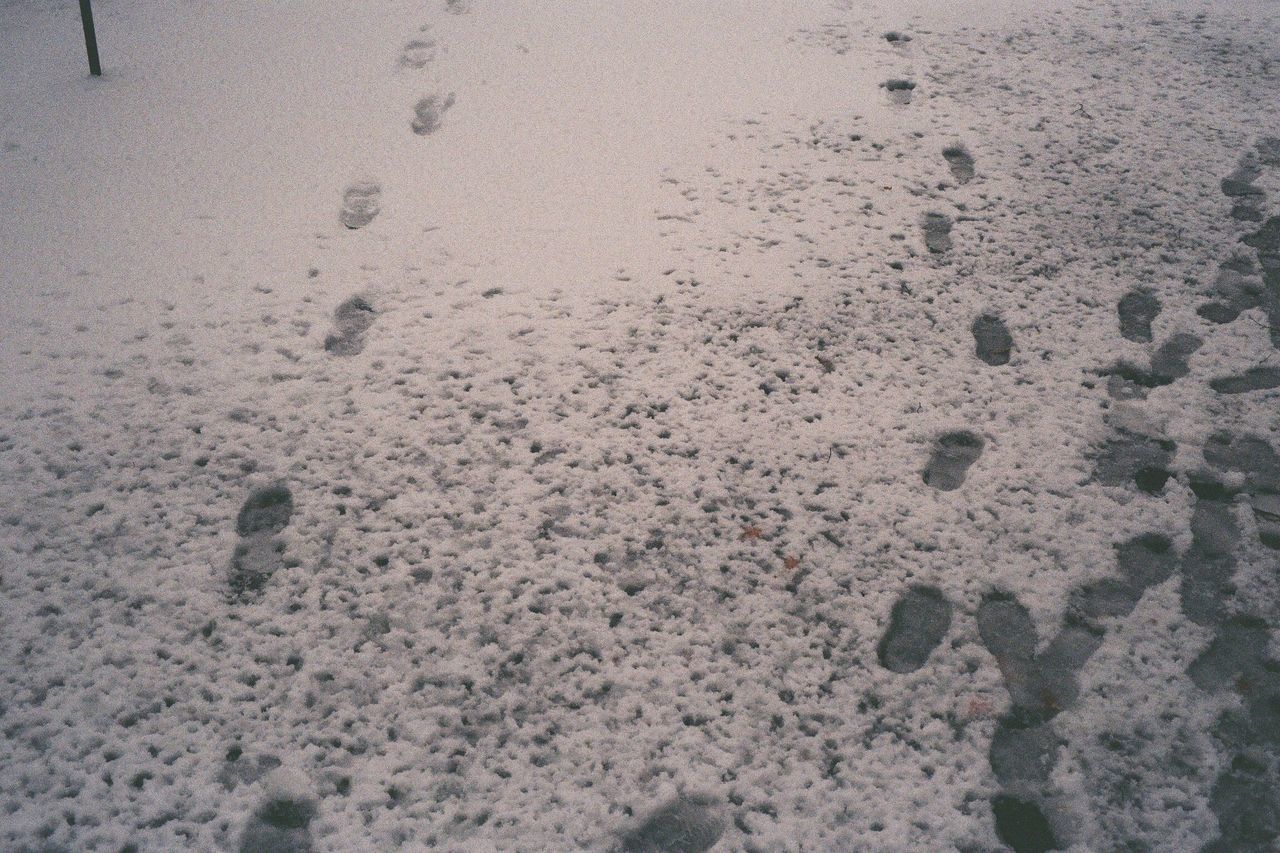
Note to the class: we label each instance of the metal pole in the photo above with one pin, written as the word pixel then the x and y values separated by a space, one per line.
pixel 90 38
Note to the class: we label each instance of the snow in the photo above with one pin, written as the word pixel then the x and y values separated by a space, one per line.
pixel 493 425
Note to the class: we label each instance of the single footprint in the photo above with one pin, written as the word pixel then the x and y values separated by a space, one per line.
pixel 418 53
pixel 1137 309
pixel 917 624
pixel 687 824
pixel 992 341
pixel 1260 463
pixel 1009 634
pixel 457 7
pixel 1022 825
pixel 1139 459
pixel 960 161
pixel 351 320
pixel 1240 183
pixel 428 113
pixel 1143 562
pixel 952 455
pixel 1209 565
pixel 1237 289
pixel 937 232
pixel 360 203
pixel 1253 379
pixel 899 90
pixel 1172 360
pixel 281 824
pixel 258 554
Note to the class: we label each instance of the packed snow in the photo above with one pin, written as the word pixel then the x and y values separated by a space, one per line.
pixel 648 426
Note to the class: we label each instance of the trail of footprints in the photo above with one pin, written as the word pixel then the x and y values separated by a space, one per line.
pixel 361 200
pixel 1041 683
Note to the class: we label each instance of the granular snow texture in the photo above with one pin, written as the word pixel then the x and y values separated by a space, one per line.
pixel 916 503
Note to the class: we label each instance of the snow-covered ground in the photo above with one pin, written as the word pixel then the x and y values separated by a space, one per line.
pixel 655 425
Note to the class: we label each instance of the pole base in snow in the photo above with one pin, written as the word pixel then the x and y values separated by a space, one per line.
pixel 90 38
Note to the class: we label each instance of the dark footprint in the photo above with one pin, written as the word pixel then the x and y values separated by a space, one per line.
pixel 1009 634
pixel 1260 463
pixel 917 624
pixel 1143 561
pixel 360 203
pixel 1209 565
pixel 1137 309
pixel 351 320
pixel 418 53
pixel 953 453
pixel 1168 363
pixel 960 161
pixel 1253 379
pixel 1239 184
pixel 1235 651
pixel 1172 360
pixel 1250 454
pixel 1246 801
pixel 280 825
pixel 899 90
pixel 1127 458
pixel 1023 751
pixel 1237 290
pixel 258 554
pixel 428 113
pixel 992 341
pixel 684 825
pixel 937 232
pixel 1245 797
pixel 1021 825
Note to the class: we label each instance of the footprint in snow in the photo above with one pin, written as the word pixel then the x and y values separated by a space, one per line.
pixel 687 824
pixel 259 552
pixel 418 53
pixel 1236 289
pixel 1254 457
pixel 953 453
pixel 1253 379
pixel 428 113
pixel 1137 309
pixel 1247 196
pixel 1142 460
pixel 992 342
pixel 919 620
pixel 960 161
pixel 281 823
pixel 351 320
pixel 899 90
pixel 361 202
pixel 937 232
pixel 1170 362
pixel 1024 746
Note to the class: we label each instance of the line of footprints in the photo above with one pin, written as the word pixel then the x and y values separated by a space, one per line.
pixel 1041 684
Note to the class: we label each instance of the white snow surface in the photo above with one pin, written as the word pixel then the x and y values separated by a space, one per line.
pixel 603 439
